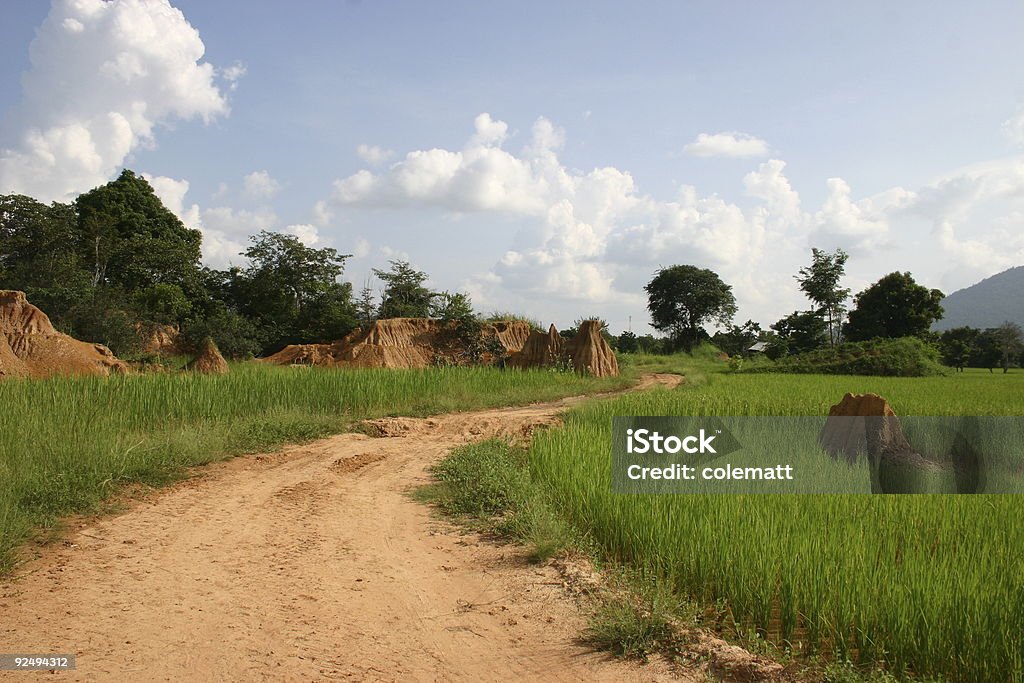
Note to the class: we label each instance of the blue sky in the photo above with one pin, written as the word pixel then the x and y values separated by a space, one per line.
pixel 892 130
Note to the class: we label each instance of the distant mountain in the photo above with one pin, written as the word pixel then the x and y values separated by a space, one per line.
pixel 986 304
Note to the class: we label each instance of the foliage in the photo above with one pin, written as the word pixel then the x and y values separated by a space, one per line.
pixel 956 345
pixel 801 331
pixel 1010 341
pixel 130 241
pixel 404 293
pixel 235 335
pixel 820 282
pixel 737 339
pixel 504 316
pixel 38 254
pixel 291 292
pixel 366 309
pixel 895 306
pixel 683 299
pixel 903 357
pixel 627 342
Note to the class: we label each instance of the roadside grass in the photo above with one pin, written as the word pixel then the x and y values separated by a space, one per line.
pixel 68 444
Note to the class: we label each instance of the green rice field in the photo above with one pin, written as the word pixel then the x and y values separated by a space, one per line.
pixel 930 586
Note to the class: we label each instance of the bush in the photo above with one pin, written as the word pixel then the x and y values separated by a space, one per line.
pixel 902 357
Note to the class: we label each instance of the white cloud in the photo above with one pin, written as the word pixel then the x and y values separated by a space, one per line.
pixel 322 214
pixel 362 248
pixel 232 74
pixel 488 131
pixel 220 248
pixel 1014 128
pixel 231 221
pixel 372 154
pixel 728 144
pixel 259 185
pixel 307 234
pixel 103 75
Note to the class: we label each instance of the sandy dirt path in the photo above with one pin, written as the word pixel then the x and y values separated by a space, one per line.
pixel 308 564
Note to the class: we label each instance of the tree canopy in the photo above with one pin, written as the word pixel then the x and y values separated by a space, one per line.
pixel 895 306
pixel 404 293
pixel 683 299
pixel 820 282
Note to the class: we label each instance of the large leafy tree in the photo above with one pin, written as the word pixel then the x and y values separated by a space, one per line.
pixel 131 242
pixel 802 331
pixel 1010 342
pixel 405 295
pixel 292 292
pixel 38 254
pixel 895 306
pixel 683 299
pixel 820 282
pixel 956 346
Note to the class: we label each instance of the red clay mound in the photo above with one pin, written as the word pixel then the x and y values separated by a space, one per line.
pixel 590 352
pixel 540 350
pixel 30 347
pixel 209 361
pixel 400 343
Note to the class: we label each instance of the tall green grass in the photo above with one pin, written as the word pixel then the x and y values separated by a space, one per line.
pixel 67 443
pixel 931 586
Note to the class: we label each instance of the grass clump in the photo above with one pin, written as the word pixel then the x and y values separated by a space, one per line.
pixel 487 486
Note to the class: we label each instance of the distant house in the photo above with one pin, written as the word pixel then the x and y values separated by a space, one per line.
pixel 759 347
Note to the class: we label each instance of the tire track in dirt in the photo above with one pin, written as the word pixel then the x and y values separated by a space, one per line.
pixel 308 564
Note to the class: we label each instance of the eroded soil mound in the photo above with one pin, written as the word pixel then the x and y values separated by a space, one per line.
pixel 209 361
pixel 540 350
pixel 31 347
pixel 845 434
pixel 161 340
pixel 586 353
pixel 408 343
pixel 590 352
pixel 421 343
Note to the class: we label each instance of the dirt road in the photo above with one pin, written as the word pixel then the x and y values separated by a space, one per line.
pixel 308 564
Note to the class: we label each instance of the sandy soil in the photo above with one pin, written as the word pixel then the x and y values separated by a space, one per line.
pixel 309 564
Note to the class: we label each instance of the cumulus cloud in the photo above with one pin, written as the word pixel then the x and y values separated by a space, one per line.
pixel 259 185
pixel 307 234
pixel 103 76
pixel 728 144
pixel 372 154
pixel 221 246
pixel 585 230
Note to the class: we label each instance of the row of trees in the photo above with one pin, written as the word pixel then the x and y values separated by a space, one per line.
pixel 116 263
pixel 684 299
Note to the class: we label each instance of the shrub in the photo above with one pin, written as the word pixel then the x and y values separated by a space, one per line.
pixel 902 357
